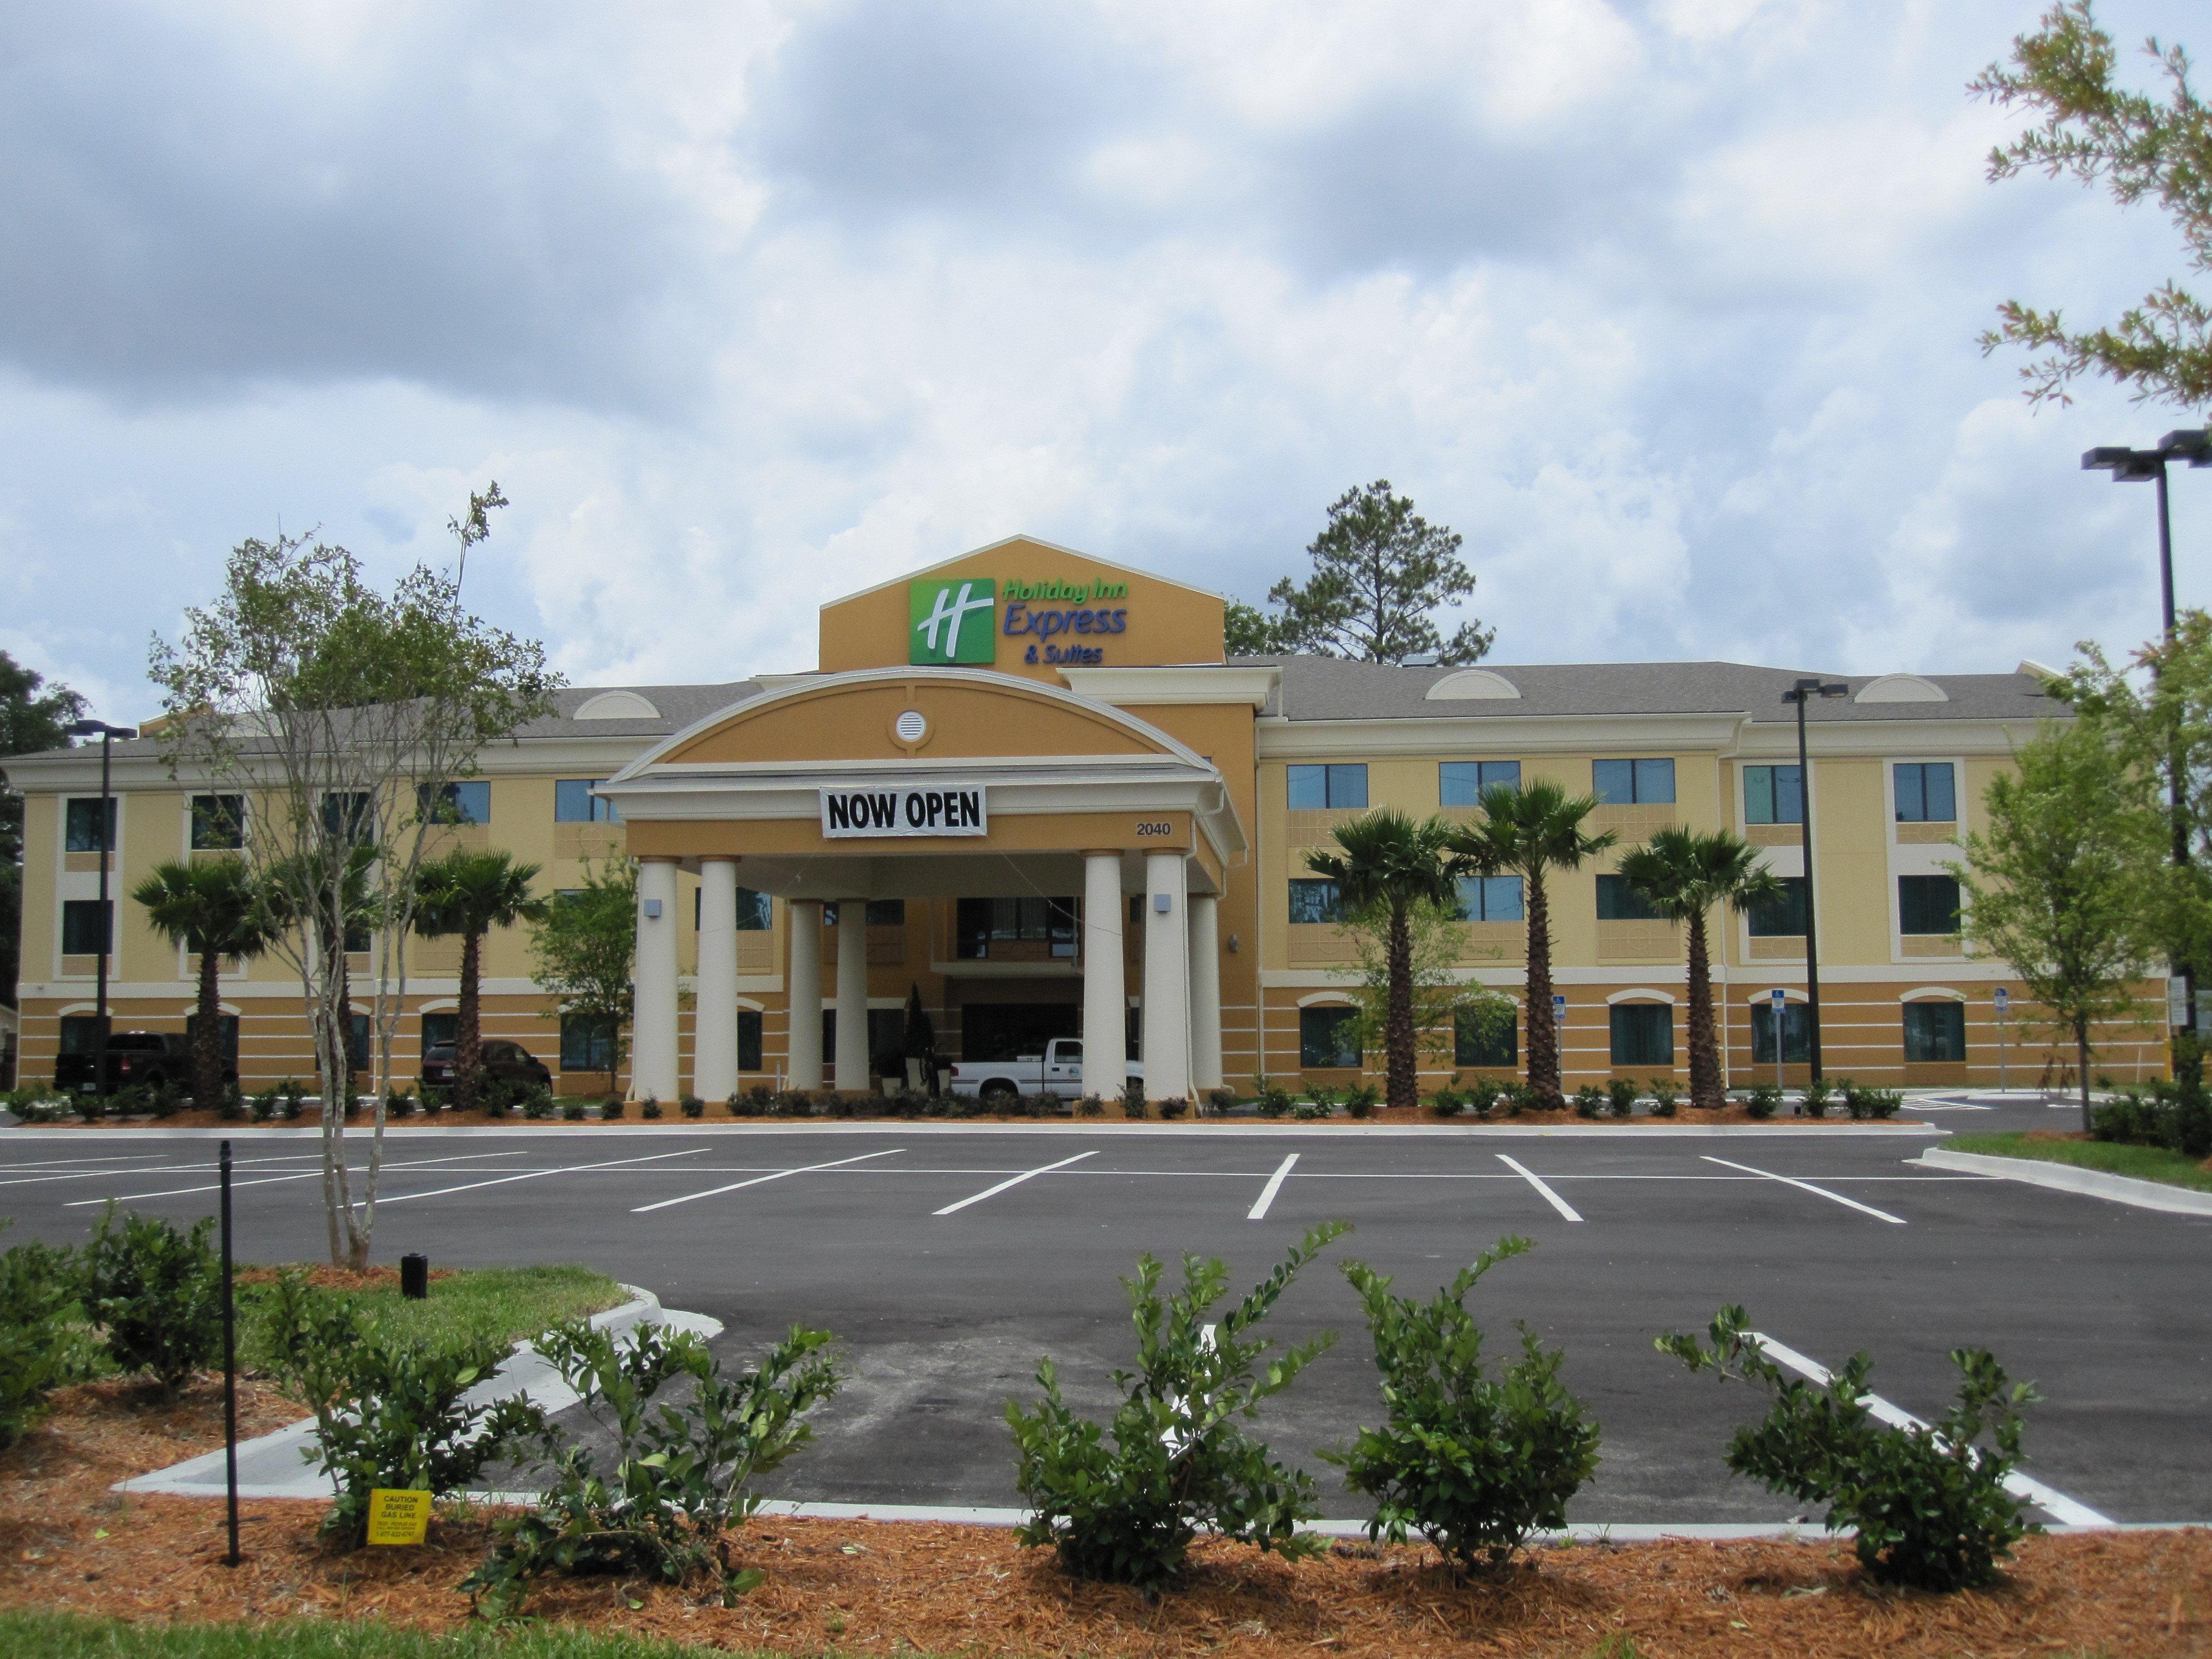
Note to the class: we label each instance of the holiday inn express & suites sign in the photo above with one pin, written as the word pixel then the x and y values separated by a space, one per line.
pixel 897 809
pixel 958 621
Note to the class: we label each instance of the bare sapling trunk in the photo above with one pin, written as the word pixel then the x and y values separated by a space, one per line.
pixel 207 1042
pixel 1400 1082
pixel 2081 1069
pixel 1543 1031
pixel 468 1038
pixel 1705 1045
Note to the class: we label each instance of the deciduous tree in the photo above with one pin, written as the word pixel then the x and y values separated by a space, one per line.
pixel 583 945
pixel 32 719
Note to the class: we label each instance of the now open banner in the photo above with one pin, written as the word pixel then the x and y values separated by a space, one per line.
pixel 894 809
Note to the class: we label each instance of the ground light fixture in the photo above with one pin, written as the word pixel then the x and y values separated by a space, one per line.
pixel 106 733
pixel 2128 465
pixel 1799 694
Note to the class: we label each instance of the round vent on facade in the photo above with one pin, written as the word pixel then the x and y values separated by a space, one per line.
pixel 910 726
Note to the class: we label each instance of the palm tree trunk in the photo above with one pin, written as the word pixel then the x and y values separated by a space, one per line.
pixel 467 1039
pixel 1704 1046
pixel 207 1042
pixel 1401 1081
pixel 1543 1032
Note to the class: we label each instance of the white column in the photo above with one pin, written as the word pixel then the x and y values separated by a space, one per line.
pixel 1167 979
pixel 804 996
pixel 653 1044
pixel 1204 991
pixel 1105 998
pixel 852 996
pixel 714 1017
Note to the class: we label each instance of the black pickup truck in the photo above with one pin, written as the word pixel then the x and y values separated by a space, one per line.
pixel 150 1058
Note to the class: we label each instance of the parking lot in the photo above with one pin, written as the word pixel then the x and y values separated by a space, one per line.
pixel 948 1258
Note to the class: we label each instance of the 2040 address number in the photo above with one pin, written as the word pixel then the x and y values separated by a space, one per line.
pixel 1155 827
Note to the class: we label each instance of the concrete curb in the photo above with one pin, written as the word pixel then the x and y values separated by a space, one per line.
pixel 273 1465
pixel 2068 1178
pixel 905 1126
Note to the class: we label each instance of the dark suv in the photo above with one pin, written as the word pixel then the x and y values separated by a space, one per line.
pixel 148 1058
pixel 507 1062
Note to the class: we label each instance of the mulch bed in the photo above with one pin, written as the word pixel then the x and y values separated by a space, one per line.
pixel 67 1542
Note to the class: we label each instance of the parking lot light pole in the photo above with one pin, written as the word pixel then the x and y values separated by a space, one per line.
pixel 105 733
pixel 1813 687
pixel 2136 466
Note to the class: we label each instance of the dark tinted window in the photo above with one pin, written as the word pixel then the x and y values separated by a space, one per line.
pixel 225 1035
pixel 979 923
pixel 1926 793
pixel 1797 1034
pixel 1328 1038
pixel 754 913
pixel 1936 1031
pixel 575 803
pixel 80 1033
pixel 84 930
pixel 218 822
pixel 584 1043
pixel 83 826
pixel 438 1029
pixel 1773 794
pixel 1490 898
pixel 1642 1034
pixel 1785 917
pixel 468 801
pixel 749 1040
pixel 1927 904
pixel 1618 902
pixel 1461 783
pixel 347 817
pixel 1337 785
pixel 1479 1042
pixel 1313 900
pixel 1633 782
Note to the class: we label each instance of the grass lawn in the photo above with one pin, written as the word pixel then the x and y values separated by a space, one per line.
pixel 2142 1163
pixel 507 1303
pixel 61 1636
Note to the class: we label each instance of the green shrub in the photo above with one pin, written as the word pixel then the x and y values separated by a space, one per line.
pixel 692 1106
pixel 1091 1106
pixel 157 1295
pixel 291 1097
pixel 1361 1100
pixel 1474 1463
pixel 1446 1102
pixel 1127 1510
pixel 1620 1097
pixel 791 1103
pixel 1173 1108
pixel 572 1110
pixel 264 1106
pixel 1589 1100
pixel 1664 1096
pixel 1515 1097
pixel 1861 1102
pixel 1221 1100
pixel 2176 1115
pixel 1272 1099
pixel 42 1340
pixel 1483 1097
pixel 1307 1111
pixel 611 1109
pixel 1819 1095
pixel 650 1109
pixel 1761 1100
pixel 537 1103
pixel 679 1477
pixel 1133 1098
pixel 1928 1504
pixel 388 1411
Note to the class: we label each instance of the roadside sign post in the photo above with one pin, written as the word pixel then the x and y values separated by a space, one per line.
pixel 229 1368
pixel 1778 1002
pixel 2004 1002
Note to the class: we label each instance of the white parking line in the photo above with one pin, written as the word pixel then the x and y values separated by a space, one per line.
pixel 270 1181
pixel 1259 1211
pixel 1026 1175
pixel 532 1175
pixel 132 1175
pixel 1550 1197
pixel 774 1174
pixel 2055 1504
pixel 1806 1186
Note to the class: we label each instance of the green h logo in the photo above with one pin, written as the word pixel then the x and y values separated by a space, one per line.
pixel 952 622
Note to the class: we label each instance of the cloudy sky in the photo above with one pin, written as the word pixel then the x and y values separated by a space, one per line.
pixel 1670 308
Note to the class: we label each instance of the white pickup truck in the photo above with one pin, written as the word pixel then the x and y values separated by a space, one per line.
pixel 1057 1072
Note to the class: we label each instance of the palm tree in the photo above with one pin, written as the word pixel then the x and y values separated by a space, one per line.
pixel 1529 830
pixel 470 891
pixel 1682 873
pixel 1390 863
pixel 212 907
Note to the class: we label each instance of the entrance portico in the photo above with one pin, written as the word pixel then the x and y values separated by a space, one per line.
pixel 930 784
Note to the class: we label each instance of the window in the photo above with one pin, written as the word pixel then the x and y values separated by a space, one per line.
pixel 84 835
pixel 84 927
pixel 1490 898
pixel 1480 1043
pixel 1618 902
pixel 347 817
pixel 1328 1038
pixel 80 1034
pixel 587 1043
pixel 1642 1034
pixel 886 1037
pixel 226 1037
pixel 979 923
pixel 749 1040
pixel 755 910
pixel 575 803
pixel 358 1050
pixel 218 822
pixel 1935 1032
pixel 1927 904
pixel 1785 917
pixel 1314 901
pixel 468 801
pixel 1797 1033
pixel 1925 792
pixel 1633 782
pixel 1773 794
pixel 359 939
pixel 1328 786
pixel 440 1029
pixel 882 913
pixel 1461 783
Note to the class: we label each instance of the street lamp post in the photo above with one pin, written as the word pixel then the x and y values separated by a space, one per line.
pixel 2135 467
pixel 1814 687
pixel 106 733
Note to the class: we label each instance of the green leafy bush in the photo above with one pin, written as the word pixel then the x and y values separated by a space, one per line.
pixel 679 1477
pixel 1515 1097
pixel 1761 1100
pixel 388 1411
pixel 1272 1099
pixel 611 1109
pixel 1664 1096
pixel 1928 1504
pixel 1174 1107
pixel 1133 1098
pixel 1820 1096
pixel 1589 1100
pixel 2176 1115
pixel 650 1110
pixel 1307 1111
pixel 692 1106
pixel 157 1295
pixel 1091 1106
pixel 1123 1502
pixel 1474 1463
pixel 1448 1102
pixel 537 1103
pixel 1861 1102
pixel 1361 1099
pixel 1221 1100
pixel 791 1103
pixel 1620 1097
pixel 572 1110
pixel 42 1340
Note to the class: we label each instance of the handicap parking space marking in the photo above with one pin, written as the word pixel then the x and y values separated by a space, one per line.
pixel 270 1181
pixel 1015 1180
pixel 1807 1186
pixel 532 1175
pixel 1536 1181
pixel 2050 1501
pixel 773 1174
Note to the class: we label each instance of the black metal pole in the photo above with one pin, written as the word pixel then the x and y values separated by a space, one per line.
pixel 106 922
pixel 1812 944
pixel 2187 971
pixel 229 1369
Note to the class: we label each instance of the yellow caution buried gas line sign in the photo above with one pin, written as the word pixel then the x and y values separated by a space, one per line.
pixel 398 1517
